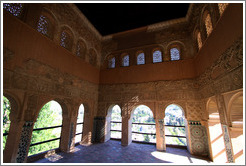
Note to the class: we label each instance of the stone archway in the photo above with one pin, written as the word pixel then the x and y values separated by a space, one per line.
pixel 142 120
pixel 111 110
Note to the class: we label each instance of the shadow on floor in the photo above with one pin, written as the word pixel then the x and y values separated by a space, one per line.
pixel 113 152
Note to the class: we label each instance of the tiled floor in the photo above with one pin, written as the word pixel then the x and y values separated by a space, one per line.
pixel 113 152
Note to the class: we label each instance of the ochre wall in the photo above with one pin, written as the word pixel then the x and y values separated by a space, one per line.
pixel 227 30
pixel 230 23
pixel 175 70
pixel 27 43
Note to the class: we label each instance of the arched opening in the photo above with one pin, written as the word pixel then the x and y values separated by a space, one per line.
pixel 222 7
pixel 66 39
pixel 111 62
pixel 140 58
pixel 199 40
pixel 81 49
pixel 217 145
pixel 157 56
pixel 80 124
pixel 143 125
pixel 208 23
pixel 6 119
pixel 236 129
pixel 116 123
pixel 15 9
pixel 113 125
pixel 175 54
pixel 175 126
pixel 126 60
pixel 47 129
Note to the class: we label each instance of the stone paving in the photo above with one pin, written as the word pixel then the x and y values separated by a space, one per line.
pixel 113 152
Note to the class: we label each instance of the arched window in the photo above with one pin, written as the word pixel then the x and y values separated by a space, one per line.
pixel 116 123
pixel 6 119
pixel 80 122
pixel 47 129
pixel 140 59
pixel 81 50
pixel 14 8
pixel 157 57
pixel 111 63
pixel 143 125
pixel 125 60
pixel 66 40
pixel 208 24
pixel 175 54
pixel 174 126
pixel 43 24
pixel 222 7
pixel 199 40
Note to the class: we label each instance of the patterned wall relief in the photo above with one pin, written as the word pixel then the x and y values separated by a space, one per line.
pixel 98 129
pixel 227 144
pixel 37 77
pixel 70 17
pixel 226 74
pixel 194 110
pixel 24 142
pixel 198 138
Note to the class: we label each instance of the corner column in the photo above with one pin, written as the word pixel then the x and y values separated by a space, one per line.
pixel 126 126
pixel 67 134
pixel 223 121
pixel 160 135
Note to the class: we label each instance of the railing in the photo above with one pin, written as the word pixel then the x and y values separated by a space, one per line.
pixel 152 124
pixel 115 130
pixel 5 134
pixel 46 141
pixel 142 133
pixel 177 136
pixel 80 133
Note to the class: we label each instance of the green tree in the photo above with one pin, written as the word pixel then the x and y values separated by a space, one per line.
pixel 6 120
pixel 47 117
pixel 146 138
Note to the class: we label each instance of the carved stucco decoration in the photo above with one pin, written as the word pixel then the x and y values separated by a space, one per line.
pixel 34 76
pixel 32 104
pixel 183 90
pixel 71 18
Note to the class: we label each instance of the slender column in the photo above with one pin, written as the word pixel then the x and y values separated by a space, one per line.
pixel 228 146
pixel 126 138
pixel 126 131
pixel 223 121
pixel 160 135
pixel 25 141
